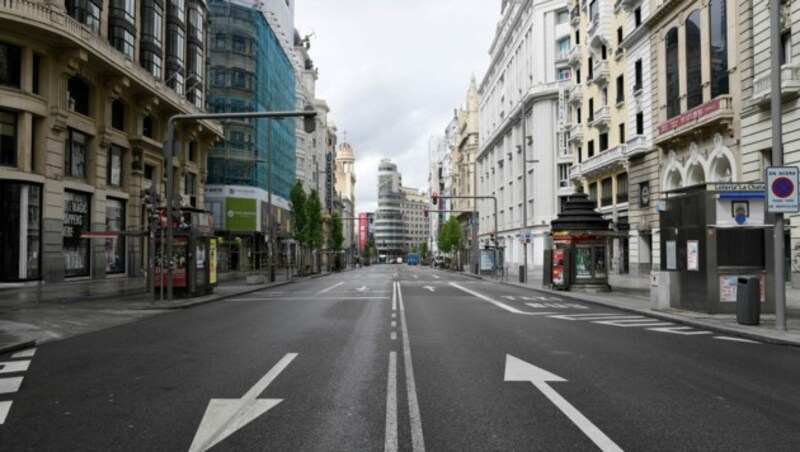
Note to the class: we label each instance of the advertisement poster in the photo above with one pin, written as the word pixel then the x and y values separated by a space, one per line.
pixel 692 255
pixel 179 249
pixel 212 261
pixel 672 261
pixel 728 287
pixel 487 260
pixel 583 263
pixel 558 266
pixel 600 262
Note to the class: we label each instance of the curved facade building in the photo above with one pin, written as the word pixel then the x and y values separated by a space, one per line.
pixel 389 227
pixel 86 89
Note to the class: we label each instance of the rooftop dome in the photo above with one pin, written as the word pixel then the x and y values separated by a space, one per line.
pixel 345 152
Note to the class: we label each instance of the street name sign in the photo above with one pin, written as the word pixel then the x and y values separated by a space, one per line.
pixel 782 196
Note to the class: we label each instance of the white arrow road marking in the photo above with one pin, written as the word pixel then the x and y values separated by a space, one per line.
pixel 331 287
pixel 7 367
pixel 25 353
pixel 682 330
pixel 225 416
pixel 9 385
pixel 431 288
pixel 519 370
pixel 5 407
pixel 362 288
pixel 497 303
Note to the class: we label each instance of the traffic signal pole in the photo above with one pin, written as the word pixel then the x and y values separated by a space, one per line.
pixel 777 160
pixel 308 115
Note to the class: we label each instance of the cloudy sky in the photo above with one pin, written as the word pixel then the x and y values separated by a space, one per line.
pixel 392 72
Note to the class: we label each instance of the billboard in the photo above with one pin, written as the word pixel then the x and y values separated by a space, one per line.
pixel 240 214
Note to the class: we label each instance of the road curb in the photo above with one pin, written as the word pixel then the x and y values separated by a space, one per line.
pixel 677 318
pixel 16 347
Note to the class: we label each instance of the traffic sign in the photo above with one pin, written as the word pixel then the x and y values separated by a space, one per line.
pixel 782 195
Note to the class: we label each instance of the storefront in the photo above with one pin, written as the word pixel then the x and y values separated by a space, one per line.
pixel 115 247
pixel 77 260
pixel 20 231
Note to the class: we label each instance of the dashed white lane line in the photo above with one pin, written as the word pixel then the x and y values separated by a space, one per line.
pixel 309 298
pixel 394 335
pixel 390 444
pixel 435 276
pixel 5 407
pixel 394 324
pixel 736 339
pixel 25 353
pixel 417 440
pixel 7 367
pixel 9 385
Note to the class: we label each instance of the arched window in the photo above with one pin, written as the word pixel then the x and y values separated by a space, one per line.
pixel 719 47
pixel 672 75
pixel 694 81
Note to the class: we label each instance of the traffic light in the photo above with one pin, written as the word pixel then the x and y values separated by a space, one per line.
pixel 425 211
pixel 435 199
pixel 309 121
pixel 492 235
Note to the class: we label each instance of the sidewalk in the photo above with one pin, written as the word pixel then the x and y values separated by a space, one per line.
pixel 32 315
pixel 632 293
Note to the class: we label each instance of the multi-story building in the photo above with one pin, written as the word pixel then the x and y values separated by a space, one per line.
pixel 644 187
pixel 255 167
pixel 86 89
pixel 598 116
pixel 521 120
pixel 415 225
pixel 346 188
pixel 756 54
pixel 463 159
pixel 389 230
pixel 306 156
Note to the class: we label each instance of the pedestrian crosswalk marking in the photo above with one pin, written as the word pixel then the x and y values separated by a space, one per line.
pixel 5 407
pixel 556 306
pixel 9 385
pixel 7 367
pixel 682 330
pixel 595 316
pixel 25 353
pixel 736 339
pixel 632 323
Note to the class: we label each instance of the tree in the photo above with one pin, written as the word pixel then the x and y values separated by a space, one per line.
pixel 297 206
pixel 337 232
pixel 424 250
pixel 314 237
pixel 413 249
pixel 449 236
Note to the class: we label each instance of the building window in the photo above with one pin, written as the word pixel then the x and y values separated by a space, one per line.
pixel 238 43
pixel 590 149
pixel 622 133
pixel 603 141
pixel 37 65
pixel 590 68
pixel 673 74
pixel 10 65
pixel 563 74
pixel 152 62
pixel 603 53
pixel 85 12
pixel 149 175
pixel 147 127
pixel 620 89
pixel 193 151
pixel 118 115
pixel 125 9
pixel 219 41
pixel 577 37
pixel 578 114
pixel 21 230
pixel 177 8
pixel 607 197
pixel 591 110
pixel 638 76
pixel 563 175
pixel 122 40
pixel 593 192
pixel 115 247
pixel 196 23
pixel 237 79
pixel 115 166
pixel 152 22
pixel 78 96
pixel 619 35
pixel 637 16
pixel 176 44
pixel 76 221
pixel 190 182
pixel 694 61
pixel 75 154
pixel 8 138
pixel 786 48
pixel 640 123
pixel 719 47
pixel 577 76
pixel 622 188
pixel 219 77
pixel 563 47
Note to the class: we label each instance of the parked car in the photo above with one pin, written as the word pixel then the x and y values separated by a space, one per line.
pixel 412 259
pixel 438 261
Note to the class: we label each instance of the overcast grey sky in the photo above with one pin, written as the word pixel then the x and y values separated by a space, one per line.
pixel 392 72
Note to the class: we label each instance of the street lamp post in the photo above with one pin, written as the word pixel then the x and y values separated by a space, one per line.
pixel 169 152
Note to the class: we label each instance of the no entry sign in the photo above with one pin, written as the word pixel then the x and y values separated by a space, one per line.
pixel 782 196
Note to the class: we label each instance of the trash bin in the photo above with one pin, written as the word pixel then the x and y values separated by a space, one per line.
pixel 748 301
pixel 522 273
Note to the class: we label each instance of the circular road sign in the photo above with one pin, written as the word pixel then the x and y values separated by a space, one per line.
pixel 783 187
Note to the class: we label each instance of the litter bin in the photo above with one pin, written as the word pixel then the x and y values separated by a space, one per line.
pixel 748 303
pixel 522 273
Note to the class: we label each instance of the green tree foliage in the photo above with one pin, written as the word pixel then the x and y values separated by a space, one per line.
pixel 449 236
pixel 337 232
pixel 424 250
pixel 314 237
pixel 413 249
pixel 297 205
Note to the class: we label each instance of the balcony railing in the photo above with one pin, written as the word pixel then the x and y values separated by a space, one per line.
pixel 562 58
pixel 600 72
pixel 790 83
pixel 605 160
pixel 637 145
pixel 712 113
pixel 601 117
pixel 576 133
pixel 575 54
pixel 575 172
pixel 575 94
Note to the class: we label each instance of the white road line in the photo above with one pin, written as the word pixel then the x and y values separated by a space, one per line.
pixel 331 287
pixel 5 407
pixel 7 367
pixel 736 339
pixel 9 385
pixel 394 335
pixel 682 330
pixel 394 296
pixel 417 440
pixel 591 317
pixel 485 298
pixel 310 298
pixel 394 314
pixel 435 276
pixel 394 324
pixel 25 353
pixel 634 323
pixel 390 445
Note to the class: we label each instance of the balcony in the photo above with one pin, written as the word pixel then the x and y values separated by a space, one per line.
pixel 601 118
pixel 605 161
pixel 790 84
pixel 575 15
pixel 562 58
pixel 636 146
pixel 714 114
pixel 575 173
pixel 575 55
pixel 575 94
pixel 576 133
pixel 600 73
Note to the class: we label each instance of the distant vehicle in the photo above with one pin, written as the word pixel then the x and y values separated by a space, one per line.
pixel 438 261
pixel 412 259
pixel 382 259
pixel 399 260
